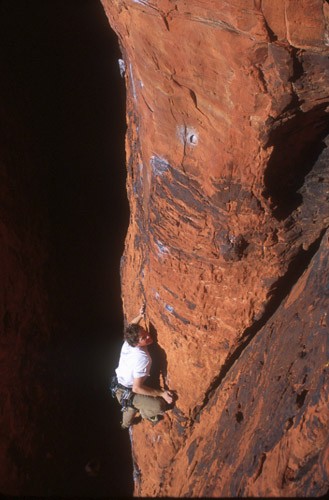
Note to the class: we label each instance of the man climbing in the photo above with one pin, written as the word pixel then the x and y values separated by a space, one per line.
pixel 134 368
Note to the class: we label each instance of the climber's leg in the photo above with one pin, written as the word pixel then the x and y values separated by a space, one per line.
pixel 128 415
pixel 149 406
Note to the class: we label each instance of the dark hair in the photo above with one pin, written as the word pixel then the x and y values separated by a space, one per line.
pixel 131 334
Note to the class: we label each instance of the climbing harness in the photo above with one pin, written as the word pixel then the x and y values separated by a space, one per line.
pixel 126 399
pixel 113 385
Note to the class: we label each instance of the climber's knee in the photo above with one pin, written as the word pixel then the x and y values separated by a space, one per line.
pixel 149 406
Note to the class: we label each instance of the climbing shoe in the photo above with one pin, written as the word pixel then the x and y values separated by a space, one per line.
pixel 155 420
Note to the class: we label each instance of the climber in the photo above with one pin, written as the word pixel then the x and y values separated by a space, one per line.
pixel 128 385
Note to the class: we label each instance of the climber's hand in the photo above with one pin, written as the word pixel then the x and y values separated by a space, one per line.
pixel 167 396
pixel 142 309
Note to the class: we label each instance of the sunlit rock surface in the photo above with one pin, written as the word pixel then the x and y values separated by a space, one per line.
pixel 227 165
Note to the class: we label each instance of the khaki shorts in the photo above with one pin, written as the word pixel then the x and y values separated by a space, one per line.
pixel 148 406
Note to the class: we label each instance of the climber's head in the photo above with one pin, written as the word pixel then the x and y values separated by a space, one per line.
pixel 145 338
pixel 136 335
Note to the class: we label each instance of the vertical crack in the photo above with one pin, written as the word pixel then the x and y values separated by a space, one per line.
pixel 137 475
pixel 261 465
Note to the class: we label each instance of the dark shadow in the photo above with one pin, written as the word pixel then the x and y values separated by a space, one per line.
pixel 297 144
pixel 62 119
pixel 158 375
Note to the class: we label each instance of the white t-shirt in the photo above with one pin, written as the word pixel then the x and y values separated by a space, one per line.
pixel 135 362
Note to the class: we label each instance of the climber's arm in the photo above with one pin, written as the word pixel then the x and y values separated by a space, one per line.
pixel 140 388
pixel 138 318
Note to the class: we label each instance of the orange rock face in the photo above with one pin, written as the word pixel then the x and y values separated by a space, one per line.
pixel 228 186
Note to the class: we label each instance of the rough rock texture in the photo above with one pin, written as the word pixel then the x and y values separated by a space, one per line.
pixel 228 186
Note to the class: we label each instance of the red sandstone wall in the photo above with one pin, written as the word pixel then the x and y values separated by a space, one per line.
pixel 228 186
